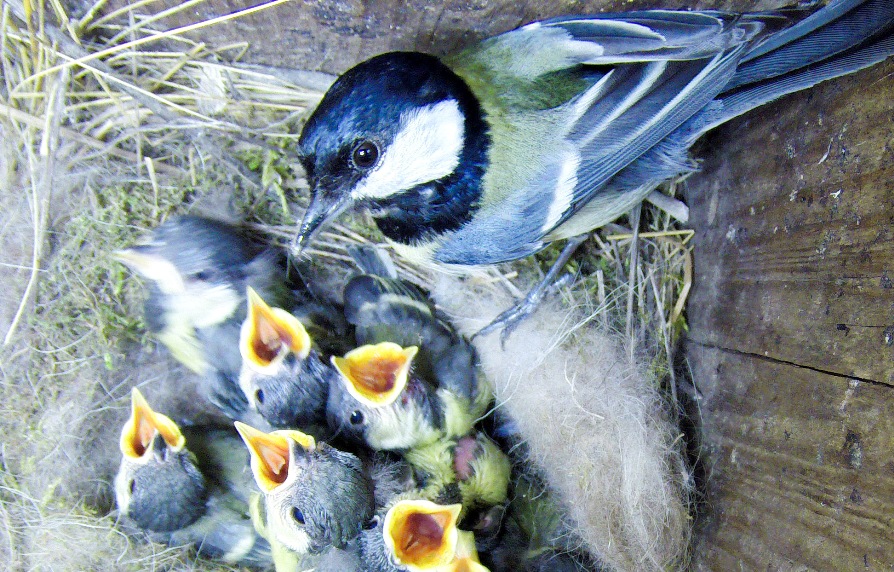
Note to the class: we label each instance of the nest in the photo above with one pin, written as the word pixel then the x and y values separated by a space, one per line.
pixel 108 126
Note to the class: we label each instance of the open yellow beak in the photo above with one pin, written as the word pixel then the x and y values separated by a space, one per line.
pixel 422 535
pixel 376 374
pixel 142 425
pixel 466 558
pixel 269 334
pixel 270 453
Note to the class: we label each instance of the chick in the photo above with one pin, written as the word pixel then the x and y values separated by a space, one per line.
pixel 315 496
pixel 198 270
pixel 418 535
pixel 377 401
pixel 390 409
pixel 387 309
pixel 378 398
pixel 283 374
pixel 179 496
pixel 533 535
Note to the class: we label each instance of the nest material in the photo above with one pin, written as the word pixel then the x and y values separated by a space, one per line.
pixel 107 126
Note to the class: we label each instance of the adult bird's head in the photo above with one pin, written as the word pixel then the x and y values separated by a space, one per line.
pixel 387 134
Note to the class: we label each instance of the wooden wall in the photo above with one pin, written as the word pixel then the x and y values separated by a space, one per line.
pixel 792 313
pixel 792 331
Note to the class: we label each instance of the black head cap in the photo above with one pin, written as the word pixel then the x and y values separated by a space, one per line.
pixel 370 97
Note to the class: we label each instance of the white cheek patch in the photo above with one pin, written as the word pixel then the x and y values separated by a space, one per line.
pixel 209 305
pixel 564 191
pixel 426 148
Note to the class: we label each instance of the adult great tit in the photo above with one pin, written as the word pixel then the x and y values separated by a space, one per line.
pixel 559 127
pixel 197 496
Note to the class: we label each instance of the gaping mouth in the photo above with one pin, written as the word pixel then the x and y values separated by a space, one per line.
pixel 142 427
pixel 376 374
pixel 270 453
pixel 420 534
pixel 268 334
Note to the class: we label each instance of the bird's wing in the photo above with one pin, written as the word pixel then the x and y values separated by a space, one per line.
pixel 638 77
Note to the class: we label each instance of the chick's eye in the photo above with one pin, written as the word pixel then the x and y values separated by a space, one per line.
pixel 356 418
pixel 365 155
pixel 259 396
pixel 297 515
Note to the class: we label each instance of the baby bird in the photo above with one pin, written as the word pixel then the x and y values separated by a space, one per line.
pixel 197 496
pixel 376 401
pixel 390 409
pixel 414 378
pixel 384 308
pixel 198 270
pixel 419 535
pixel 315 496
pixel 533 535
pixel 283 374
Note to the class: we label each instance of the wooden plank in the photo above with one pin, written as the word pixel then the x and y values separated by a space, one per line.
pixel 800 467
pixel 332 36
pixel 794 219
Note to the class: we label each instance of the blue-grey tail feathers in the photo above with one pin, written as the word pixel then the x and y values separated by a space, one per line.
pixel 839 39
pixel 747 99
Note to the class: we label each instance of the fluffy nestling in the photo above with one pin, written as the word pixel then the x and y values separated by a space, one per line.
pixel 196 495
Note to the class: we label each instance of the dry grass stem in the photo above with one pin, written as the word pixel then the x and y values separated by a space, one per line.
pixel 108 125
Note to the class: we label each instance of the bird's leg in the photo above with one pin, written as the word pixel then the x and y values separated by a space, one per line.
pixel 511 318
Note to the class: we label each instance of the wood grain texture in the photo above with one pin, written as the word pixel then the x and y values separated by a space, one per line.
pixel 794 220
pixel 794 261
pixel 800 467
pixel 333 35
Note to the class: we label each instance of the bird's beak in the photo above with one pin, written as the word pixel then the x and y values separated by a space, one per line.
pixel 151 266
pixel 466 558
pixel 268 334
pixel 270 453
pixel 422 535
pixel 142 427
pixel 376 374
pixel 324 207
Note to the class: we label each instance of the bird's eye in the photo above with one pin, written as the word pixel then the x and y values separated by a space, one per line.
pixel 133 486
pixel 297 515
pixel 202 275
pixel 371 523
pixel 356 418
pixel 365 155
pixel 259 396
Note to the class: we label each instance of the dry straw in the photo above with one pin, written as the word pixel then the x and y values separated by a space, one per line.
pixel 108 124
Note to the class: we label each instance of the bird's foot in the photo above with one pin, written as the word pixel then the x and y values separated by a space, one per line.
pixel 509 320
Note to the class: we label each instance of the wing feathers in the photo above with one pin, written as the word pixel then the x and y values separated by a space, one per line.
pixel 650 83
